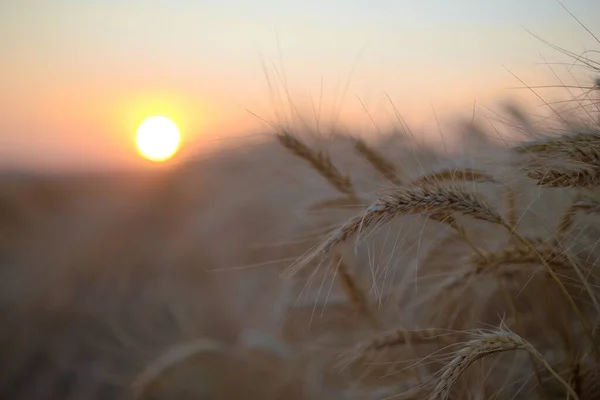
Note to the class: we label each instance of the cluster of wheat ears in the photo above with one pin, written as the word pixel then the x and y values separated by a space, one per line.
pixel 458 283
pixel 544 292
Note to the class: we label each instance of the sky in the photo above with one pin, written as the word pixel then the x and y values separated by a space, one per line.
pixel 78 76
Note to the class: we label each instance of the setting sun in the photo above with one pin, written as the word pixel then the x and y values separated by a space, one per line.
pixel 158 138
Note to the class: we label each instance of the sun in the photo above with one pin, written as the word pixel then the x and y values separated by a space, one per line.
pixel 158 138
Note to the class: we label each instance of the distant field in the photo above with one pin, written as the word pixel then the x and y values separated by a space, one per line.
pixel 222 279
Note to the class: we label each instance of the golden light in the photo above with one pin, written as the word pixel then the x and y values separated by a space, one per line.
pixel 158 138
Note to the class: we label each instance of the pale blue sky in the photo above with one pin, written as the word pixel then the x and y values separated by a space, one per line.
pixel 77 74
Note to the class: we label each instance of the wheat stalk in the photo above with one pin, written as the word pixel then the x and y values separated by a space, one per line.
pixel 561 286
pixel 511 199
pixel 338 202
pixel 384 342
pixel 171 359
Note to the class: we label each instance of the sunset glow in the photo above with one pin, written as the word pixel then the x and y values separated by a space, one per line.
pixel 102 67
pixel 158 138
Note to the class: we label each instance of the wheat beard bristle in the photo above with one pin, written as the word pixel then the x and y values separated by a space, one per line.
pixel 386 341
pixel 456 174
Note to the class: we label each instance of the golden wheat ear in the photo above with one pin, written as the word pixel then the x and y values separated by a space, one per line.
pixel 430 201
pixel 579 155
pixel 482 346
pixel 378 161
pixel 581 148
pixel 434 202
pixel 565 178
pixel 469 175
pixel 320 162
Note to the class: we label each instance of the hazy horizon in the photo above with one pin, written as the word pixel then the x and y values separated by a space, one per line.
pixel 79 76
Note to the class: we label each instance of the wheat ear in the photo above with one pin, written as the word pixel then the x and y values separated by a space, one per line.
pixel 378 161
pixel 320 161
pixel 468 175
pixel 562 178
pixel 487 344
pixel 432 201
pixel 581 147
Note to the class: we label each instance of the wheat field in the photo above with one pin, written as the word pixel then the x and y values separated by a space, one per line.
pixel 313 267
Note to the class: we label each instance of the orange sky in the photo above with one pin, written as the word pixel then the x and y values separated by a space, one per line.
pixel 79 76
